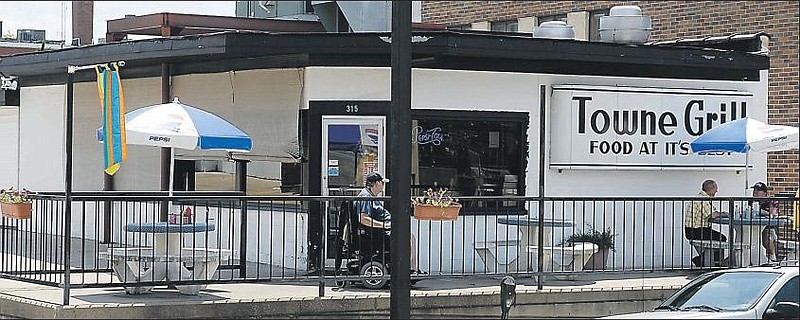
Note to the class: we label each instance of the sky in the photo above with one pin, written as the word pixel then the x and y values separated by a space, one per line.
pixel 55 17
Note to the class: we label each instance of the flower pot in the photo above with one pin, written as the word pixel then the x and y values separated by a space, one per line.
pixel 598 260
pixel 17 210
pixel 431 212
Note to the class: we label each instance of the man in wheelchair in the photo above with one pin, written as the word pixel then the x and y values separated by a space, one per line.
pixel 371 232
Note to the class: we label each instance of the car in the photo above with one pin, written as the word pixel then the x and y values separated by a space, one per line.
pixel 762 292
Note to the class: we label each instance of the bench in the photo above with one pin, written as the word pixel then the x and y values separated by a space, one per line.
pixel 565 258
pixel 702 247
pixel 487 251
pixel 142 264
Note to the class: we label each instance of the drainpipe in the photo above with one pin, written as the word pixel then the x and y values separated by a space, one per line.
pixel 166 153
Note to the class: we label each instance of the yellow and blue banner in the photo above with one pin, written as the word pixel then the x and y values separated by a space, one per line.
pixel 112 101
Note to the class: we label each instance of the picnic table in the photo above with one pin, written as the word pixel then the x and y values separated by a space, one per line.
pixel 167 261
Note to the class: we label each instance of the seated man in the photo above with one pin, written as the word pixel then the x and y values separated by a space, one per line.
pixel 697 224
pixel 376 218
pixel 767 208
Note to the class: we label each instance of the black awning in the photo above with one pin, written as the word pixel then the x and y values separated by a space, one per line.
pixel 432 49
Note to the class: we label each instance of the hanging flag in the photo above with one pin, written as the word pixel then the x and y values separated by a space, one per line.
pixel 109 89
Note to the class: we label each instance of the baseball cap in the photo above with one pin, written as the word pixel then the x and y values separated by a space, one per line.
pixel 375 177
pixel 759 186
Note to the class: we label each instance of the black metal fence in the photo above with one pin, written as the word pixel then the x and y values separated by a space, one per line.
pixel 115 239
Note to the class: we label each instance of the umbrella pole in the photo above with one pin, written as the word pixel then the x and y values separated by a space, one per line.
pixel 746 171
pixel 171 174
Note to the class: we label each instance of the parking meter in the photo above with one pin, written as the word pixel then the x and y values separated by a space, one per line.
pixel 508 295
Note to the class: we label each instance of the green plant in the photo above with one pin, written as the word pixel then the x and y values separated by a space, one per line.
pixel 603 239
pixel 438 198
pixel 12 195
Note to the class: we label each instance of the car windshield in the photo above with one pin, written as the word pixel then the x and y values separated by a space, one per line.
pixel 722 292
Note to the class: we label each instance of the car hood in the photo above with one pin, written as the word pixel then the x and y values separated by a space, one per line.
pixel 684 315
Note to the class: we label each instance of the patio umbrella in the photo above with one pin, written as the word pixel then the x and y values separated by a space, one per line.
pixel 745 135
pixel 177 125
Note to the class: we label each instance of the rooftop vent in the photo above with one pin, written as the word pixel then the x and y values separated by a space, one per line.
pixel 625 24
pixel 554 30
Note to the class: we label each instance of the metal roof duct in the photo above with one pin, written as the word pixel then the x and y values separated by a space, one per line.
pixel 361 16
pixel 625 24
pixel 554 30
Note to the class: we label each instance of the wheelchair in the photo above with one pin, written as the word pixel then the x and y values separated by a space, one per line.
pixel 363 252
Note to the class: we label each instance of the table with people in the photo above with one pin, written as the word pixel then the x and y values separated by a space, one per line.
pixel 754 228
pixel 748 226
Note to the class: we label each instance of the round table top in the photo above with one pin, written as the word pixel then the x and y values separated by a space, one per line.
pixel 164 227
pixel 530 221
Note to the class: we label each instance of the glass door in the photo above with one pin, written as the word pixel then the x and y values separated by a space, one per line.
pixel 352 147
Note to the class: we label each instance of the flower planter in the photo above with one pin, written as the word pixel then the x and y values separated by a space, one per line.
pixel 598 260
pixel 431 212
pixel 17 210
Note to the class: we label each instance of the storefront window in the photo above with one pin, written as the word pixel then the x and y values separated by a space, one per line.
pixel 470 157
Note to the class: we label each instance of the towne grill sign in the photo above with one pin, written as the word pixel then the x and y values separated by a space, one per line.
pixel 596 127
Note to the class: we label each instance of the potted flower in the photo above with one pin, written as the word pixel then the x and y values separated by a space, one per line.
pixel 15 203
pixel 605 244
pixel 436 205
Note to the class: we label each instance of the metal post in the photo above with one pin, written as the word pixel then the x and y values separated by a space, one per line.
pixel 68 185
pixel 166 153
pixel 542 135
pixel 241 186
pixel 731 253
pixel 108 185
pixel 400 161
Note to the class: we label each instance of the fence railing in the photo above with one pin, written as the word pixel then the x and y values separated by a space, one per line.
pixel 118 239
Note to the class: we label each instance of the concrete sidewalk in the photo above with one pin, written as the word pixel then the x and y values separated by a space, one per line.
pixel 473 296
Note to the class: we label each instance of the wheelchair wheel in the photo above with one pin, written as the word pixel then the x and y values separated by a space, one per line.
pixel 371 274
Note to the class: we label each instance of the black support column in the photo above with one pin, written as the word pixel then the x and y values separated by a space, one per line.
pixel 400 162
pixel 166 153
pixel 241 186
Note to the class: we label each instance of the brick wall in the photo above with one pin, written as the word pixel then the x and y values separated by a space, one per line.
pixel 683 19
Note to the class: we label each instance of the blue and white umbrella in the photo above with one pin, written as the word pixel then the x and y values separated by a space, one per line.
pixel 176 125
pixel 747 135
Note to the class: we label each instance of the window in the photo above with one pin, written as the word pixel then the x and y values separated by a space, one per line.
pixel 555 17
pixel 789 292
pixel 471 155
pixel 460 27
pixel 505 26
pixel 594 23
pixel 731 291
